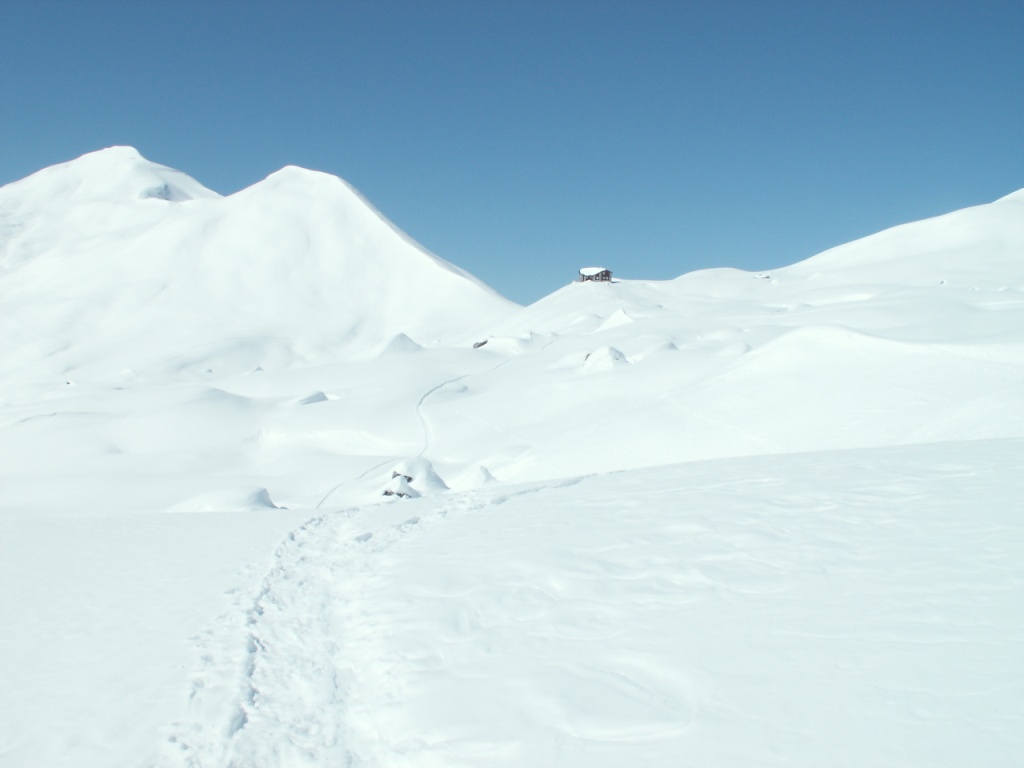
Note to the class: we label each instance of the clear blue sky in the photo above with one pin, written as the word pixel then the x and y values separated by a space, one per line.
pixel 522 139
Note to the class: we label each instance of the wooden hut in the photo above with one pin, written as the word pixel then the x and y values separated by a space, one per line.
pixel 595 274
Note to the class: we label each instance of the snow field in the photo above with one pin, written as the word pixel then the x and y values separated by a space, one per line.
pixel 103 618
pixel 840 608
pixel 730 519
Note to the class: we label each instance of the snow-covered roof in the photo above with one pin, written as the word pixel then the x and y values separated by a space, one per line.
pixel 590 271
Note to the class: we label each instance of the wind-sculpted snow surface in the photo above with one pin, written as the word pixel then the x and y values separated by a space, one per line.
pixel 841 609
pixel 280 488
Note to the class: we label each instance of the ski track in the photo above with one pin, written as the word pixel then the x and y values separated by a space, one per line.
pixel 426 426
pixel 425 423
pixel 272 679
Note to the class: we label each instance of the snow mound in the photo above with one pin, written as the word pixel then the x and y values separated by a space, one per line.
pixel 513 345
pixel 243 499
pixel 603 359
pixel 472 477
pixel 653 348
pixel 413 478
pixel 618 318
pixel 484 476
pixel 400 344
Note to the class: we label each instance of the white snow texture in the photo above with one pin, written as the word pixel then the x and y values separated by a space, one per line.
pixel 278 487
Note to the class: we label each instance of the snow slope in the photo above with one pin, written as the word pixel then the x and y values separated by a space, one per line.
pixel 909 336
pixel 730 519
pixel 848 608
pixel 114 265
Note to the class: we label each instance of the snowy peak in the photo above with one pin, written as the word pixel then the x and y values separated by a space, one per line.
pixel 329 202
pixel 51 213
pixel 112 175
pixel 298 260
pixel 293 180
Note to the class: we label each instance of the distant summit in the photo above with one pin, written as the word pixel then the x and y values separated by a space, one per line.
pixel 115 174
pixel 118 262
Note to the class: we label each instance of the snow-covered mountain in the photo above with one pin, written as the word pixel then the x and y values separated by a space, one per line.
pixel 112 263
pixel 279 487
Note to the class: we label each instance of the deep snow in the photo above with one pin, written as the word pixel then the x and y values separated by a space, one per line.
pixel 730 519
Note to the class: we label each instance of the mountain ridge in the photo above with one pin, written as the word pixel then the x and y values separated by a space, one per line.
pixel 298 255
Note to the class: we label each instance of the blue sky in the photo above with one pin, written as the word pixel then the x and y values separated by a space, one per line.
pixel 522 139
